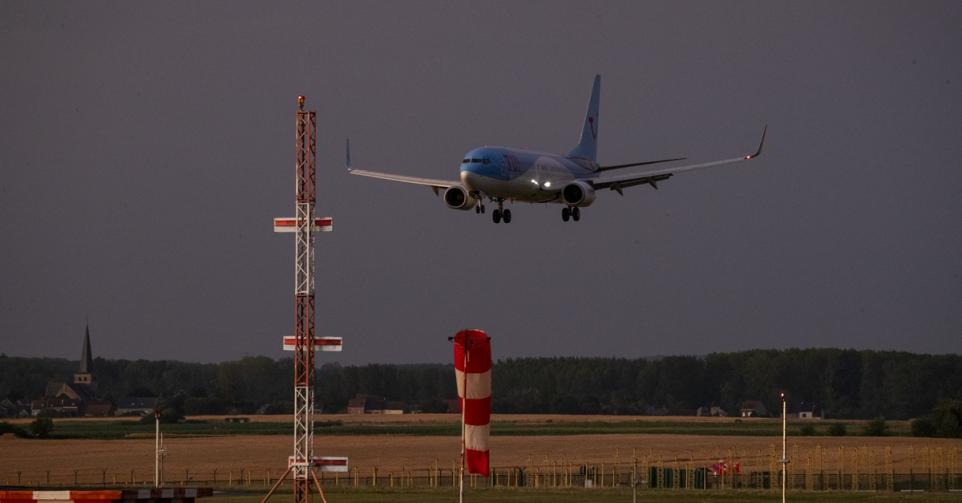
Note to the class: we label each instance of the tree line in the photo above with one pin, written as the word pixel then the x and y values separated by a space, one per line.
pixel 843 383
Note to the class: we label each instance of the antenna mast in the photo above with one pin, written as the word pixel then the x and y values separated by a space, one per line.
pixel 304 343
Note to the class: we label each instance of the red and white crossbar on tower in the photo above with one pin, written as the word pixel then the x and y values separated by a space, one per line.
pixel 303 343
pixel 321 224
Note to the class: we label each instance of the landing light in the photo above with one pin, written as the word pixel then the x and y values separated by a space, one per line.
pixel 534 181
pixel 547 184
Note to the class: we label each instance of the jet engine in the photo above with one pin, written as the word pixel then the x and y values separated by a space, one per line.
pixel 578 193
pixel 456 197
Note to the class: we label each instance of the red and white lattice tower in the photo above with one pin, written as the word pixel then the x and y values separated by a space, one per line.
pixel 304 343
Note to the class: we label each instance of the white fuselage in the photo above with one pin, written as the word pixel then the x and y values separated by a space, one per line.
pixel 521 175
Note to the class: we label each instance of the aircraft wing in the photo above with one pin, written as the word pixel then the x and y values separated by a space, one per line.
pixel 619 182
pixel 434 183
pixel 430 182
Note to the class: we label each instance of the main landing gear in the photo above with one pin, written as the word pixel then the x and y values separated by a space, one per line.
pixel 570 212
pixel 500 213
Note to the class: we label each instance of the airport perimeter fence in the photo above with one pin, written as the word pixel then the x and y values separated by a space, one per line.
pixel 657 476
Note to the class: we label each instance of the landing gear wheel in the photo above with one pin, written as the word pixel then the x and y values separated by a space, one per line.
pixel 477 209
pixel 482 209
pixel 500 213
pixel 565 214
pixel 576 213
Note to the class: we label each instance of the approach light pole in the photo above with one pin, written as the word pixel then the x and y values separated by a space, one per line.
pixel 784 460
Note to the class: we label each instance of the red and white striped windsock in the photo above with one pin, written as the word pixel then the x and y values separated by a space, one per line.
pixel 472 368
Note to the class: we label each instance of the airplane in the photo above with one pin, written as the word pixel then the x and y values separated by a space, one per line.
pixel 502 174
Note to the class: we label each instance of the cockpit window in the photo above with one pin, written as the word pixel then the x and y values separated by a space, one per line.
pixel 475 160
pixel 465 161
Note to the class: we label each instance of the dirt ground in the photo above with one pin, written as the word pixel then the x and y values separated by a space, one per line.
pixel 199 457
pixel 258 454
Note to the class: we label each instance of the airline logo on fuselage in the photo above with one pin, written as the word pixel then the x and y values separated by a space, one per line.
pixel 511 167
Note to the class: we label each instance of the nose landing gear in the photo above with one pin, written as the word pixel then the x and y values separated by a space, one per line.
pixel 500 213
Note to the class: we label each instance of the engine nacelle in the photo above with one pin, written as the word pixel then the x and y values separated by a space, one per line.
pixel 458 198
pixel 578 193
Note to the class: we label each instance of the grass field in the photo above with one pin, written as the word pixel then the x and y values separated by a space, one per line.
pixel 592 496
pixel 448 425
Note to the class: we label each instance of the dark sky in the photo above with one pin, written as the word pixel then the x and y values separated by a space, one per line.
pixel 145 148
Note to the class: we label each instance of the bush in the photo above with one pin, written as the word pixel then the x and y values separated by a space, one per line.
pixel 807 430
pixel 42 427
pixel 947 418
pixel 876 427
pixel 837 430
pixel 923 427
pixel 11 428
pixel 168 415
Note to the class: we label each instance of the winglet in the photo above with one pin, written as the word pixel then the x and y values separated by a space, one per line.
pixel 347 154
pixel 760 145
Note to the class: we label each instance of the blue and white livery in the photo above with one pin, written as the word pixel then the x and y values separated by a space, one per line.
pixel 501 174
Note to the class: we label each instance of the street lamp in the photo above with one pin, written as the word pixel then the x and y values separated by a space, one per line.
pixel 784 460
pixel 156 447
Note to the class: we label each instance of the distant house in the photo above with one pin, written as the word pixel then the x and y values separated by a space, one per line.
pixel 59 407
pixel 753 408
pixel 365 404
pixel 369 404
pixel 712 411
pixel 394 407
pixel 136 406
pixel 810 412
pixel 10 408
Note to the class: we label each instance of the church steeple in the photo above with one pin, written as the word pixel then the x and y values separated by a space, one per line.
pixel 84 373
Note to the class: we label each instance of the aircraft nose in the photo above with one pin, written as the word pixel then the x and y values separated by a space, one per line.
pixel 469 177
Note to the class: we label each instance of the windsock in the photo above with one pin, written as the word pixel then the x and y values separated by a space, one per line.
pixel 472 368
